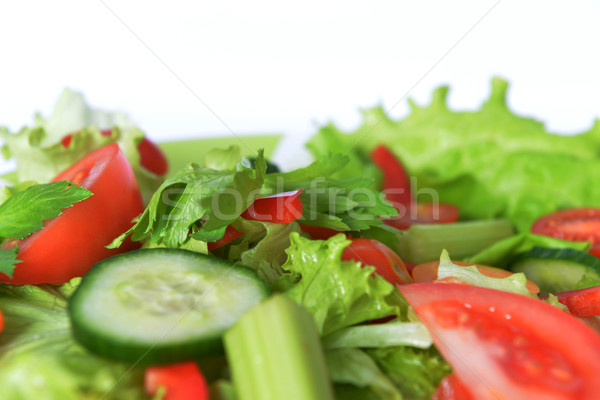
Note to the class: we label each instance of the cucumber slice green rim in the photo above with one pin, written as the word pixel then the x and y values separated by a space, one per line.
pixel 161 306
pixel 557 270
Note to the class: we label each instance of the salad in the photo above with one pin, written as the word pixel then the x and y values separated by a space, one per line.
pixel 446 255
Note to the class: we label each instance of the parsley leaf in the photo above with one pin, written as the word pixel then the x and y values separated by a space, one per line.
pixel 199 202
pixel 8 259
pixel 25 212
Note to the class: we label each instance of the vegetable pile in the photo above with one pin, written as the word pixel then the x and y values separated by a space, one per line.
pixel 441 256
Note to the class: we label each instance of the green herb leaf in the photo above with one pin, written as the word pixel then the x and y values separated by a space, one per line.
pixel 25 212
pixel 8 260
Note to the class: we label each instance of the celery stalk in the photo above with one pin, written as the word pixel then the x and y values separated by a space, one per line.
pixel 275 353
pixel 424 243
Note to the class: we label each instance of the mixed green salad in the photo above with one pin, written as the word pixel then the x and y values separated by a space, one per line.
pixel 445 255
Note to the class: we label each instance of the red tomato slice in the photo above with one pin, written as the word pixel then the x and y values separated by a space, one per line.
pixel 319 233
pixel 71 243
pixel 152 157
pixel 1 322
pixel 181 381
pixel 387 263
pixel 577 224
pixel 396 182
pixel 428 272
pixel 425 213
pixel 582 302
pixel 451 388
pixel 230 235
pixel 281 208
pixel 507 346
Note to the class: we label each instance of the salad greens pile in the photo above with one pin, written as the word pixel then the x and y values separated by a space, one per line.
pixel 490 162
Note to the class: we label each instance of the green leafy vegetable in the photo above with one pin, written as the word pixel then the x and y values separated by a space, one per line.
pixel 198 202
pixel 25 212
pixel 390 334
pixel 510 166
pixel 354 367
pixel 39 358
pixel 40 155
pixel 8 260
pixel 336 293
pixel 416 372
pixel 515 283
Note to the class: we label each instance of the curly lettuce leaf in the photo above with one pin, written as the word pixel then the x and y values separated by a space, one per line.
pixel 40 359
pixel 40 155
pixel 336 293
pixel 510 166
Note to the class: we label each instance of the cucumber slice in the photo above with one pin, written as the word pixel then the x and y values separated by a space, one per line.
pixel 161 306
pixel 557 270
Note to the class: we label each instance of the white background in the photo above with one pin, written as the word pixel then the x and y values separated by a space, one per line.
pixel 186 69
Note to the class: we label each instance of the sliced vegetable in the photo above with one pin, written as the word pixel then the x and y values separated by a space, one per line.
pixel 275 353
pixel 499 347
pixel 386 262
pixel 182 381
pixel 389 334
pixel 230 235
pixel 582 302
pixel 396 182
pixel 281 208
pixel 425 213
pixel 557 270
pixel 424 243
pixel 428 272
pixel 319 233
pixel 71 243
pixel 577 224
pixel 451 388
pixel 161 306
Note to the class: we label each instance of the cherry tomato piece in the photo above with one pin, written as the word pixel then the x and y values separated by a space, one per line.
pixel 387 263
pixel 230 235
pixel 506 346
pixel 152 157
pixel 182 381
pixel 451 388
pixel 1 322
pixel 281 208
pixel 582 302
pixel 425 213
pixel 71 243
pixel 396 182
pixel 577 224
pixel 428 272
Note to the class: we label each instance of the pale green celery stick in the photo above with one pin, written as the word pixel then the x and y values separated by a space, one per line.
pixel 390 334
pixel 275 353
pixel 424 243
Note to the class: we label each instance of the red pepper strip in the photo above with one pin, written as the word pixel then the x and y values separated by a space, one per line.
pixel 230 235
pixel 281 208
pixel 582 302
pixel 318 232
pixel 396 183
pixel 181 381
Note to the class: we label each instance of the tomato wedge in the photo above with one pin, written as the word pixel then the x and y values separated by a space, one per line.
pixel 71 243
pixel 577 224
pixel 152 157
pixel 425 213
pixel 387 263
pixel 230 235
pixel 451 388
pixel 507 346
pixel 582 302
pixel 180 381
pixel 396 182
pixel 281 208
pixel 428 272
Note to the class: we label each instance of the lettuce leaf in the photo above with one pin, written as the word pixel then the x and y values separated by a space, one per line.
pixel 510 166
pixel 336 293
pixel 40 155
pixel 40 359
